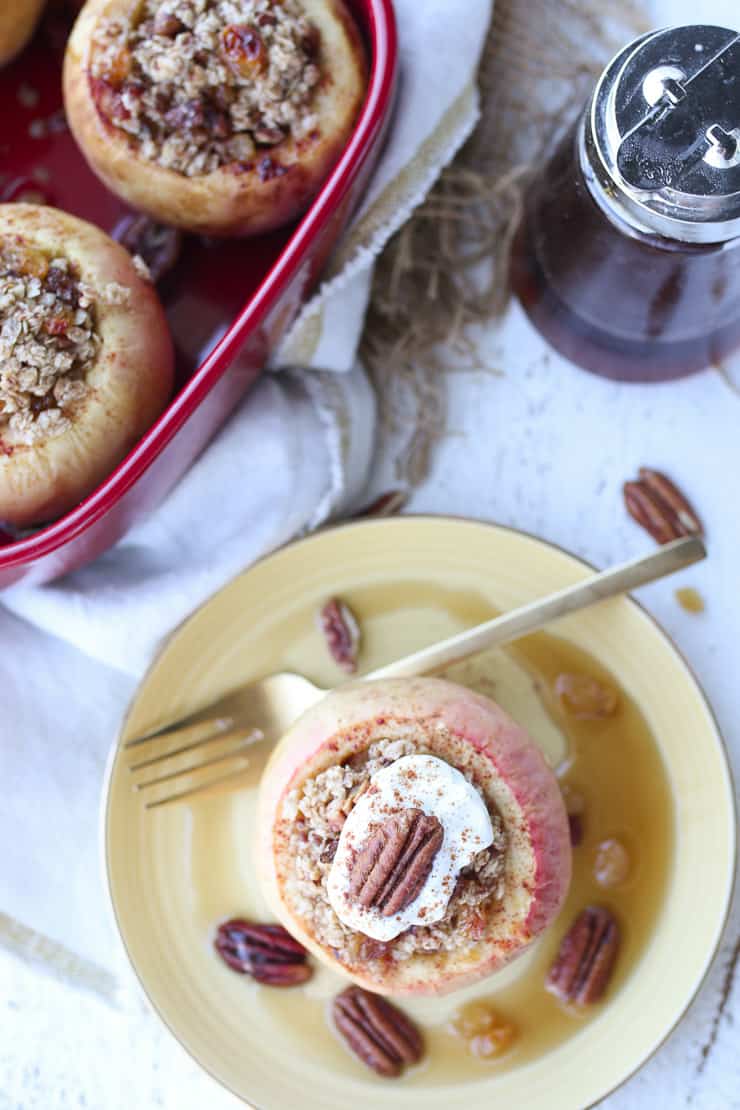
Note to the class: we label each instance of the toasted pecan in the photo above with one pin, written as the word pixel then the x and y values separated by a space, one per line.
pixel 659 506
pixel 266 952
pixel 586 958
pixel 378 1033
pixel 393 865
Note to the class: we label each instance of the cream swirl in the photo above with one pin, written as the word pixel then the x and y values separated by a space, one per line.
pixel 439 790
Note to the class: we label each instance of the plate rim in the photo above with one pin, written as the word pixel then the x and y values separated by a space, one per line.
pixel 404 518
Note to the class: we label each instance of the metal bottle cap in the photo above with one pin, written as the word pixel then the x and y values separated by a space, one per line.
pixel 661 140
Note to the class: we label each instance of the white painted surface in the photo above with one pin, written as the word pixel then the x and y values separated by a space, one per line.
pixel 544 447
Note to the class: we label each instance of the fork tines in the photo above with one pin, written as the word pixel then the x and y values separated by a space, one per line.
pixel 217 729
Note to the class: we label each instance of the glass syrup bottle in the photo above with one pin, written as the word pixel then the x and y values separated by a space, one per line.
pixel 627 258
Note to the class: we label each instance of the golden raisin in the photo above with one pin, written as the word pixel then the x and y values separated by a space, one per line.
pixel 487 1033
pixel 243 49
pixel 612 864
pixel 497 1040
pixel 586 698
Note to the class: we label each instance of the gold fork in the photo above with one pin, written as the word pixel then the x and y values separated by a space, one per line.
pixel 262 711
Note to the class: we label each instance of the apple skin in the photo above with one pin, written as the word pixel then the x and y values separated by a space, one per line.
pixel 519 781
pixel 129 383
pixel 228 201
pixel 18 19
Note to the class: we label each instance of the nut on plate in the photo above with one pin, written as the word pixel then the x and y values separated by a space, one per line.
pixel 341 631
pixel 266 952
pixel 585 961
pixel 378 1033
pixel 585 698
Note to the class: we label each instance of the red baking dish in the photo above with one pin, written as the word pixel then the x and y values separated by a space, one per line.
pixel 228 304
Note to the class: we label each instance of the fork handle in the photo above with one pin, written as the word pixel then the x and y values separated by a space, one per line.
pixel 511 626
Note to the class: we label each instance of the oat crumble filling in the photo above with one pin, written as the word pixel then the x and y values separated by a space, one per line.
pixel 49 341
pixel 203 84
pixel 316 812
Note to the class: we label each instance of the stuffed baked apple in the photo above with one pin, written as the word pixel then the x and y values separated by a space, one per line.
pixel 412 836
pixel 18 19
pixel 218 116
pixel 86 360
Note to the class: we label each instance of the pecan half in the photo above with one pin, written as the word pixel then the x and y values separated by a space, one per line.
pixel 342 633
pixel 377 1032
pixel 266 952
pixel 586 958
pixel 393 865
pixel 388 504
pixel 158 245
pixel 659 506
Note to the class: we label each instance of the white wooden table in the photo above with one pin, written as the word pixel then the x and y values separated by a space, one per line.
pixel 544 447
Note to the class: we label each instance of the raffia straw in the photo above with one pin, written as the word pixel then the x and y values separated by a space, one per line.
pixel 445 272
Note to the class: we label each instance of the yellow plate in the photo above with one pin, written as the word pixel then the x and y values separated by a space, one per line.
pixel 174 871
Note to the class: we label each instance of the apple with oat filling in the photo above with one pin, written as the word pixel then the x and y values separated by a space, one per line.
pixel 86 360
pixel 411 835
pixel 218 116
pixel 17 23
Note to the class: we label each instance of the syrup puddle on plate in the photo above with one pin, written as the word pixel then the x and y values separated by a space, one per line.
pixel 613 763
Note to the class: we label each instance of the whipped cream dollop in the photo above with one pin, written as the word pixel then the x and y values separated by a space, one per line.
pixel 439 790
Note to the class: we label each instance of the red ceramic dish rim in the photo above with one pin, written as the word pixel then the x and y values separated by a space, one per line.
pixel 380 90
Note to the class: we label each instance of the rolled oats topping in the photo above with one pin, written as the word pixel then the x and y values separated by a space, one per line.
pixel 316 813
pixel 203 84
pixel 48 342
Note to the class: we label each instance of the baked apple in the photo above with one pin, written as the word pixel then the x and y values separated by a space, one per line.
pixel 18 21
pixel 411 835
pixel 217 116
pixel 86 360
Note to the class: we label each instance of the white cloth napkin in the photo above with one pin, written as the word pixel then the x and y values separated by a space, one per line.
pixel 439 45
pixel 298 450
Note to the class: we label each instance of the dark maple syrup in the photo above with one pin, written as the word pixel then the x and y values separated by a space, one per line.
pixel 625 306
pixel 627 258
